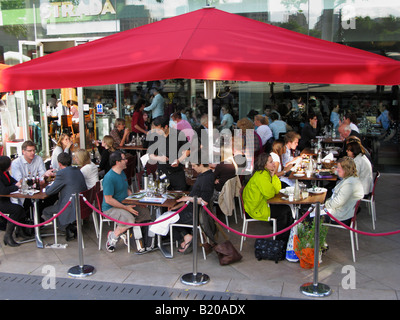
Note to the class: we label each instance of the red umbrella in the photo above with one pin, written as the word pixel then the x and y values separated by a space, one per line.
pixel 203 44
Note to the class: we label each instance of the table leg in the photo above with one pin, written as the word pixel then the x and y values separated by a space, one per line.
pixel 39 242
pixel 164 248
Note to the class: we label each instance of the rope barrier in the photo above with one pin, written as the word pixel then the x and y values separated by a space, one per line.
pixel 133 224
pixel 361 232
pixel 36 225
pixel 255 236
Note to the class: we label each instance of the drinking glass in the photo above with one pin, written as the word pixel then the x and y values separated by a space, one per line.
pixel 29 182
pixel 167 183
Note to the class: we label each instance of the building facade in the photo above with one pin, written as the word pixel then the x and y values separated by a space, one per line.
pixel 33 28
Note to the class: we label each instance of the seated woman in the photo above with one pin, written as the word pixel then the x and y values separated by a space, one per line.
pixel 346 193
pixel 88 168
pixel 204 189
pixel 63 145
pixel 105 149
pixel 263 185
pixel 16 212
pixel 291 142
pixel 363 165
pixel 276 154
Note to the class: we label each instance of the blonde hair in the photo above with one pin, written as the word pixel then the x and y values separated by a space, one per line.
pixel 109 141
pixel 245 124
pixel 278 147
pixel 61 138
pixel 262 119
pixel 348 166
pixel 82 157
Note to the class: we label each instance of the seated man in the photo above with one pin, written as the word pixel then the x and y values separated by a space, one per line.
pixel 115 190
pixel 69 180
pixel 32 165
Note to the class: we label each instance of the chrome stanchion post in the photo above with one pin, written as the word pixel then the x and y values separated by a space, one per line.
pixel 315 289
pixel 80 270
pixel 195 278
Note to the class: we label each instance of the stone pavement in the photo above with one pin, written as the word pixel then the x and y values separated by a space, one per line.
pixel 376 270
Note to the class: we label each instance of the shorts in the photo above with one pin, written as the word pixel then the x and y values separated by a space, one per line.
pixel 125 216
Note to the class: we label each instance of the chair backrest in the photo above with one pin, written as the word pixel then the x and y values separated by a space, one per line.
pixel 99 199
pixel 353 219
pixel 245 214
pixel 66 120
pixel 378 174
pixel 85 209
pixel 151 168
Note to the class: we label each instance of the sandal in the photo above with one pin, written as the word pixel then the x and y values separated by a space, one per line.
pixel 187 248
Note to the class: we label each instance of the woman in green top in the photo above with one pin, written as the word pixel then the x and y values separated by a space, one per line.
pixel 264 185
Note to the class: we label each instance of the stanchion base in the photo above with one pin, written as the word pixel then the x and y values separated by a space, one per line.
pixel 81 272
pixel 56 246
pixel 320 290
pixel 192 279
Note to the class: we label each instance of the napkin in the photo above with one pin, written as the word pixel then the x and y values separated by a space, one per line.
pixel 329 156
pixel 144 159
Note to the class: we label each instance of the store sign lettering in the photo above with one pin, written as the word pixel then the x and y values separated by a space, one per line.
pixel 68 9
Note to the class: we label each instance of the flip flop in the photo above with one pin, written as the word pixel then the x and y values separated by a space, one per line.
pixel 188 248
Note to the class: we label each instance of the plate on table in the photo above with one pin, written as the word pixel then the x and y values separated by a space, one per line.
pixel 317 190
pixel 287 190
pixel 298 174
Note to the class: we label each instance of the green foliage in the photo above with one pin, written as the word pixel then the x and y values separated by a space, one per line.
pixel 306 235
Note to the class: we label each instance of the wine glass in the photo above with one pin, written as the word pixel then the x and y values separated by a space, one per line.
pixel 167 183
pixel 29 182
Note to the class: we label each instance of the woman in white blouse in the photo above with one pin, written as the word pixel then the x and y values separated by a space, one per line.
pixel 363 165
pixel 88 168
pixel 278 149
pixel 63 145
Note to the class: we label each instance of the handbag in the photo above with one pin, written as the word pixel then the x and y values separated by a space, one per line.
pixel 227 253
pixel 268 249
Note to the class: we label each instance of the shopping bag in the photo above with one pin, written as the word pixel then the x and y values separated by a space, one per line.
pixel 290 253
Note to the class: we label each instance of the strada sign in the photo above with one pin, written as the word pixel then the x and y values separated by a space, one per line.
pixel 67 9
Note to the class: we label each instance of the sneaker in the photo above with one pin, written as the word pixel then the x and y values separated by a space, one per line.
pixel 111 242
pixel 124 238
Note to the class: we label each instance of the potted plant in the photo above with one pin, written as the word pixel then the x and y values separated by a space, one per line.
pixel 304 243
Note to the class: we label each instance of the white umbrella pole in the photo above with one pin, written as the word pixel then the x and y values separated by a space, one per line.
pixel 210 94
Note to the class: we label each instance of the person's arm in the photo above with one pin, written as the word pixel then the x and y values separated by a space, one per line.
pixel 116 204
pixel 340 197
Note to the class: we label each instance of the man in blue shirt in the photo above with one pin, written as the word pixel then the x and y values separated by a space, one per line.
pixel 383 119
pixel 334 118
pixel 157 105
pixel 115 190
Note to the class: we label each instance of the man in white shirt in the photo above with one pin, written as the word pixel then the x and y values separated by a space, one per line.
pixel 262 130
pixel 29 164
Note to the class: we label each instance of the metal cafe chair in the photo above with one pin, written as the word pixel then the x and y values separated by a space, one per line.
pixel 247 219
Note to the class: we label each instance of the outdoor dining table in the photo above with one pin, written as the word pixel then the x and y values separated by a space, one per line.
pixel 314 177
pixel 294 205
pixel 39 195
pixel 168 203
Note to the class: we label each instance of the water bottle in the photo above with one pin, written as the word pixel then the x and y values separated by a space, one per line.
pixel 145 179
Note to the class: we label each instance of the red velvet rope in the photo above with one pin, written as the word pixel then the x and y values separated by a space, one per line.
pixel 362 232
pixel 133 224
pixel 256 236
pixel 35 225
